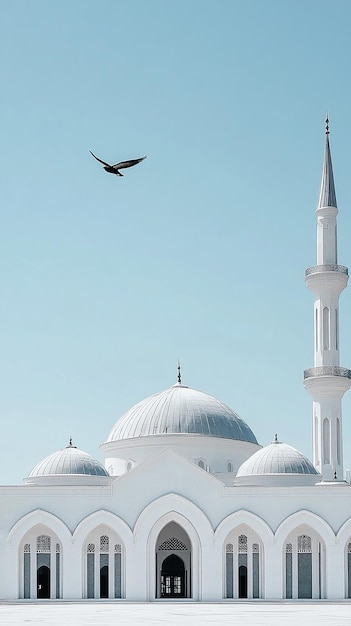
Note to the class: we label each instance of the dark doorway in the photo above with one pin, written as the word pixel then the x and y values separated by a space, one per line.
pixel 43 582
pixel 173 578
pixel 104 581
pixel 242 581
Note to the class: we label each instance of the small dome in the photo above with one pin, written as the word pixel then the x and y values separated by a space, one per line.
pixel 67 462
pixel 277 460
pixel 181 410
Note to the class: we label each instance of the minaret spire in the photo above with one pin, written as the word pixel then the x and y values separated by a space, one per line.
pixel 327 381
pixel 327 196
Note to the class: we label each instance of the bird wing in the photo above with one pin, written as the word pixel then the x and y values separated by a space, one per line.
pixel 130 163
pixel 95 157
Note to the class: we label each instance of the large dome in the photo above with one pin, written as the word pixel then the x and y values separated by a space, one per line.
pixel 181 410
pixel 69 462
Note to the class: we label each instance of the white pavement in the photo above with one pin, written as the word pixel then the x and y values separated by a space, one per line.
pixel 175 614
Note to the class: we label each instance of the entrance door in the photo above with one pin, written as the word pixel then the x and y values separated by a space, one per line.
pixel 242 581
pixel 104 582
pixel 173 578
pixel 43 582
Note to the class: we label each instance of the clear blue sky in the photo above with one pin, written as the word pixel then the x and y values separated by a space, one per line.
pixel 200 251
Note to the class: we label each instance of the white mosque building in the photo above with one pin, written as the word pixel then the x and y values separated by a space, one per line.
pixel 188 504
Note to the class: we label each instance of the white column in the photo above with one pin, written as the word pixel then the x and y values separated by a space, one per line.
pixel 72 571
pixel 273 572
pixel 213 585
pixel 335 571
pixel 140 578
pixel 316 573
pixel 33 569
pixel 53 569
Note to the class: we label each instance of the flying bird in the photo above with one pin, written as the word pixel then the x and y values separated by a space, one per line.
pixel 114 169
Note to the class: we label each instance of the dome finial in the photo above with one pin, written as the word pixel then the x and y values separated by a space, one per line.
pixel 327 124
pixel 276 438
pixel 70 441
pixel 179 373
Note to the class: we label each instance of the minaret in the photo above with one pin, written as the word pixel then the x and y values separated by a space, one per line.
pixel 327 382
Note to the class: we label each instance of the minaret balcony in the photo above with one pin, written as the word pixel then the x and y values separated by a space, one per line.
pixel 329 279
pixel 319 269
pixel 327 370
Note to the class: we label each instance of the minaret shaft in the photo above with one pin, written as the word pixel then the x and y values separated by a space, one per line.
pixel 326 315
pixel 327 381
pixel 327 252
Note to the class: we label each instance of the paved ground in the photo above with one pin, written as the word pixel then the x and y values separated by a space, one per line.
pixel 176 614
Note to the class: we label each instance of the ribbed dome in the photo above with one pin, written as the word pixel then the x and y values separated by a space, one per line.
pixel 181 410
pixel 70 460
pixel 276 458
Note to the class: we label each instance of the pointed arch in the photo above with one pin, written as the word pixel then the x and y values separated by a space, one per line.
pixel 242 539
pixel 103 540
pixel 102 518
pixel 164 510
pixel 179 506
pixel 36 518
pixel 304 539
pixel 344 533
pixel 304 518
pixel 343 550
pixel 39 539
pixel 239 518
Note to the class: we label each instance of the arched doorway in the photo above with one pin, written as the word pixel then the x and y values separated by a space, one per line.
pixel 243 565
pixel 40 571
pixel 304 565
pixel 173 563
pixel 103 565
pixel 173 577
pixel 43 582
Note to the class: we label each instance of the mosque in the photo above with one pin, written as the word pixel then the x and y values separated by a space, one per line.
pixel 188 505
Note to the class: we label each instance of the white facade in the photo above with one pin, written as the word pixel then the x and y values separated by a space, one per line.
pixel 189 505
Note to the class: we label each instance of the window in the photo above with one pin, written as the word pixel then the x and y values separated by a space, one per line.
pixel 338 440
pixel 336 329
pixel 316 329
pixel 325 328
pixel 326 441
